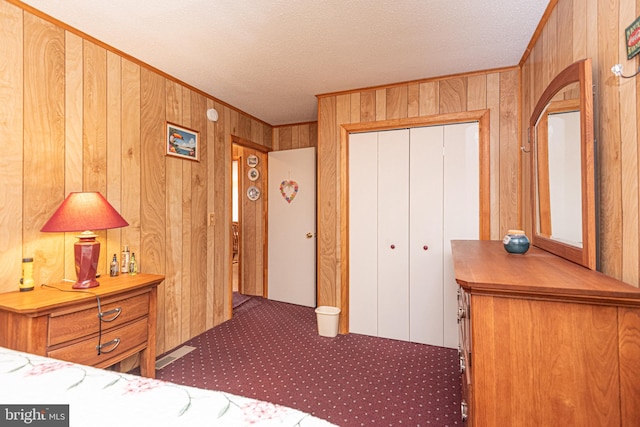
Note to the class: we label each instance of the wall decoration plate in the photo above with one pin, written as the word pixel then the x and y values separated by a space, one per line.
pixel 252 161
pixel 253 174
pixel 253 193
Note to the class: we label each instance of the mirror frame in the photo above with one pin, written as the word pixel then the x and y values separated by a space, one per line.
pixel 586 255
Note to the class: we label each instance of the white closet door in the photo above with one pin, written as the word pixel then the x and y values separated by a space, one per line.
pixel 393 234
pixel 426 241
pixel 462 207
pixel 363 239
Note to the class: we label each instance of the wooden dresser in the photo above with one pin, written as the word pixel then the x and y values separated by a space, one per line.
pixel 544 341
pixel 99 326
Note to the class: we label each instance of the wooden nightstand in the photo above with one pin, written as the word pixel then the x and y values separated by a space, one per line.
pixel 64 323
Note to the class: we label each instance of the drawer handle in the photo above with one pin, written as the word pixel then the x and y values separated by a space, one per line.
pixel 464 411
pixel 116 312
pixel 114 343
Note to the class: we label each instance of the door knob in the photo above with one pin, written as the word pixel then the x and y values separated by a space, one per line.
pixel 393 246
pixel 425 247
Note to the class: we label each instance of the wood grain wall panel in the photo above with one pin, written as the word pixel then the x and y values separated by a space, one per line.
pixel 429 98
pixel 509 150
pixel 565 33
pixel 43 145
pixel 186 189
pixel 11 110
pixel 173 282
pixel 131 156
pixel 580 27
pixel 197 202
pixel 368 106
pixel 381 104
pixel 493 104
pixel 328 202
pixel 609 155
pixel 94 129
pixel 629 164
pixel 114 151
pixel 285 138
pixel 74 95
pixel 476 92
pixel 397 99
pixel 152 249
pixel 453 95
pixel 219 187
pixel 413 100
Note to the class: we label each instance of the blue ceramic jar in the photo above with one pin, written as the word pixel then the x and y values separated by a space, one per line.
pixel 516 242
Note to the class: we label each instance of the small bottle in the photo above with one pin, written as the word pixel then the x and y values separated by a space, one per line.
pixel 26 281
pixel 113 271
pixel 125 260
pixel 133 266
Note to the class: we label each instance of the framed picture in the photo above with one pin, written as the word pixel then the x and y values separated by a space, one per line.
pixel 183 142
pixel 252 161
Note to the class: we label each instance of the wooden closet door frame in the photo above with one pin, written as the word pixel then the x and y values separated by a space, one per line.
pixel 484 220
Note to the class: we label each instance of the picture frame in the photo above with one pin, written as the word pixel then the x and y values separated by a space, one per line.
pixel 182 142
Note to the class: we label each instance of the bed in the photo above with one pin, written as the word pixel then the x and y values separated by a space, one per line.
pixel 97 397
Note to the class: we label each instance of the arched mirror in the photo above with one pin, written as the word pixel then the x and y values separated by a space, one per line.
pixel 562 167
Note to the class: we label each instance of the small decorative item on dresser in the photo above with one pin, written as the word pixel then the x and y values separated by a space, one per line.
pixel 516 242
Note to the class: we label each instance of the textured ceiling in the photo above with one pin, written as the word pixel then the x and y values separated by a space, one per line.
pixel 270 58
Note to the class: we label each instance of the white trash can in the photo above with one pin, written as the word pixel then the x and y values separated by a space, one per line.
pixel 328 320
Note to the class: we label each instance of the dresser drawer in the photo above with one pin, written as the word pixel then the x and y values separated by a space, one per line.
pixel 79 324
pixel 115 342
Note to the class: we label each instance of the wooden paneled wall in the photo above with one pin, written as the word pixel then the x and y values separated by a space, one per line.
pixel 300 135
pixel 496 91
pixel 77 115
pixel 574 30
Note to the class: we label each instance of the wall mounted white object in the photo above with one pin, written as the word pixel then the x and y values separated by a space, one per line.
pixel 212 115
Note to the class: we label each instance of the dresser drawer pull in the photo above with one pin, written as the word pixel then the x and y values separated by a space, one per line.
pixel 464 411
pixel 114 343
pixel 116 312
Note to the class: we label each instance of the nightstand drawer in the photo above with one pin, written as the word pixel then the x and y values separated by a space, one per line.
pixel 115 342
pixel 79 324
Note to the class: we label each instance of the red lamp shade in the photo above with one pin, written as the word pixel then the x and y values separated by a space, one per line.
pixel 80 212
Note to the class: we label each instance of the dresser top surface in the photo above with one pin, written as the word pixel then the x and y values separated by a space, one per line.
pixel 484 266
pixel 49 297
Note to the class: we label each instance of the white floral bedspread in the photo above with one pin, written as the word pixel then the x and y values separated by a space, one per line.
pixel 98 397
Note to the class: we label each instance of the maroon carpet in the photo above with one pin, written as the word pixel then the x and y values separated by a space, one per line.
pixel 272 351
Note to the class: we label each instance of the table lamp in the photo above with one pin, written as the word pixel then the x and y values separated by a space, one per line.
pixel 82 212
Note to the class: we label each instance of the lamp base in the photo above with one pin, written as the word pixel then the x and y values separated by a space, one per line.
pixel 87 252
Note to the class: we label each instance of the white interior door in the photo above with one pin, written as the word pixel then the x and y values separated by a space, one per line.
pixel 292 226
pixel 393 234
pixel 426 220
pixel 363 237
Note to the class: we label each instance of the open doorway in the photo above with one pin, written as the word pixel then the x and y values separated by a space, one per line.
pixel 235 226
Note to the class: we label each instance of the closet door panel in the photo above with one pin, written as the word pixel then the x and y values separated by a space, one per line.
pixel 393 234
pixel 462 207
pixel 363 241
pixel 426 244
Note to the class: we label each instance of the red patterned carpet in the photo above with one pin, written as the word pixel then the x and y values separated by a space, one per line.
pixel 271 351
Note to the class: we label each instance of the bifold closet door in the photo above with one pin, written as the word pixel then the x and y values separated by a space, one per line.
pixel 393 234
pixel 363 238
pixel 426 237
